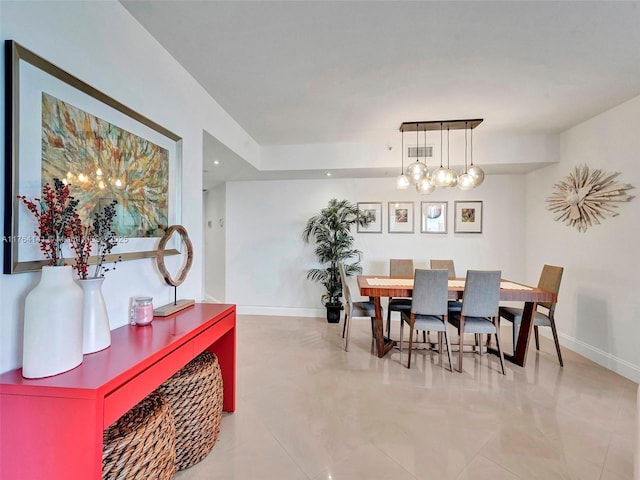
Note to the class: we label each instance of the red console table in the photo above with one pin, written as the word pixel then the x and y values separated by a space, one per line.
pixel 51 428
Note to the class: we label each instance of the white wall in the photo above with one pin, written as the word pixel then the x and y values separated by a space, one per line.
pixel 599 304
pixel 215 244
pixel 100 43
pixel 265 222
pixel 598 300
pixel 597 311
pixel 495 150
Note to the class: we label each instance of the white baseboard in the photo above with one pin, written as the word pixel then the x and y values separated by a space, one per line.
pixel 280 311
pixel 607 360
pixel 636 454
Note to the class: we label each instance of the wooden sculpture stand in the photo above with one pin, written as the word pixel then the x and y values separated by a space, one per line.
pixel 177 305
pixel 171 308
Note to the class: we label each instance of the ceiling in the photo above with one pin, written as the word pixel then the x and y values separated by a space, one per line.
pixel 313 72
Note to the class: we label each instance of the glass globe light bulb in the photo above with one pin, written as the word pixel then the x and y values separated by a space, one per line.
pixel 416 172
pixel 451 178
pixel 465 181
pixel 477 174
pixel 439 177
pixel 425 186
pixel 402 182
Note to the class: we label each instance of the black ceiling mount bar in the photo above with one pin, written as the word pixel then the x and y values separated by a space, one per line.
pixel 440 125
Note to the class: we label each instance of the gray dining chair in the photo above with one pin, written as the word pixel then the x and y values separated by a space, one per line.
pixel 429 309
pixel 454 305
pixel 443 264
pixel 353 309
pixel 399 267
pixel 549 280
pixel 480 305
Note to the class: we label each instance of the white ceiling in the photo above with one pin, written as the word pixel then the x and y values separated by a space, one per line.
pixel 309 72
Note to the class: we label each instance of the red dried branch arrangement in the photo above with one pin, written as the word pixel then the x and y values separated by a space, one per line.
pixel 58 221
pixel 56 216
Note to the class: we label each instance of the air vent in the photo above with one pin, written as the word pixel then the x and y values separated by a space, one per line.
pixel 419 151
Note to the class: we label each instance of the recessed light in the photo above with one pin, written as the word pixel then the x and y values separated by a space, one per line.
pixel 216 162
pixel 328 174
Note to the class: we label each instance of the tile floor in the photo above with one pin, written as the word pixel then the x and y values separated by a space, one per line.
pixel 308 410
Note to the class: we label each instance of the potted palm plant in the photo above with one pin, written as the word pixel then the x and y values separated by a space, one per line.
pixel 330 230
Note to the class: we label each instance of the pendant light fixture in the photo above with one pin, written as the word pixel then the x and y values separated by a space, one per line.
pixel 475 171
pixel 452 177
pixel 444 177
pixel 439 177
pixel 465 181
pixel 417 171
pixel 425 186
pixel 402 181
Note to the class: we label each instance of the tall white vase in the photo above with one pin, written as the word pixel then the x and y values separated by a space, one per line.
pixel 52 324
pixel 96 333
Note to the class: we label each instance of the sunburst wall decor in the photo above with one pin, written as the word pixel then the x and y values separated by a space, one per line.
pixel 586 196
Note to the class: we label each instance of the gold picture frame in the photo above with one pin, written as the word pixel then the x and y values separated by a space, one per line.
pixel 34 89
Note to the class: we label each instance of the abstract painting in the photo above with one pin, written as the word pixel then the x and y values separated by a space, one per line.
pixel 373 211
pixel 434 217
pixel 400 217
pixel 59 126
pixel 102 162
pixel 468 217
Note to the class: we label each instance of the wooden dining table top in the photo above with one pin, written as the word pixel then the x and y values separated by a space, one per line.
pixel 377 286
pixel 386 286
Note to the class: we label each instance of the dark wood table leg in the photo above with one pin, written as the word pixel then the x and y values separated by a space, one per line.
pixel 521 348
pixel 519 356
pixel 383 345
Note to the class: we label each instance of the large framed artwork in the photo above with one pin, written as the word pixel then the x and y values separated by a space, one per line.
pixel 468 217
pixel 60 127
pixel 433 218
pixel 400 217
pixel 373 211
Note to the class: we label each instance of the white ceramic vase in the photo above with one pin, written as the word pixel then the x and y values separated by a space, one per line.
pixel 52 324
pixel 96 333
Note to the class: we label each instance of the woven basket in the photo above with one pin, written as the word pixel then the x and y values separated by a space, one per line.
pixel 195 396
pixel 141 444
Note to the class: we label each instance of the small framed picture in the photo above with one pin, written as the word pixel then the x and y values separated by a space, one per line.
pixel 433 218
pixel 400 217
pixel 468 218
pixel 373 211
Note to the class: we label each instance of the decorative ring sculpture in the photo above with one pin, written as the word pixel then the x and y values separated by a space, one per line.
pixel 184 236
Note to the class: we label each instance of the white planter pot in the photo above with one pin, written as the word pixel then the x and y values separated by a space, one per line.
pixel 52 324
pixel 96 333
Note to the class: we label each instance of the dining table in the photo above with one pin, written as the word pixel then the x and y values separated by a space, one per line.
pixel 378 286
